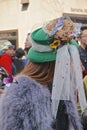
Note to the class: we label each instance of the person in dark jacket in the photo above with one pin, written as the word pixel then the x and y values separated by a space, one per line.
pixel 83 48
pixel 18 61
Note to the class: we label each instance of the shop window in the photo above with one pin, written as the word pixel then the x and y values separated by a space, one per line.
pixel 11 35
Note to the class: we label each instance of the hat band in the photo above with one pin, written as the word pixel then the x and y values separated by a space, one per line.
pixel 39 47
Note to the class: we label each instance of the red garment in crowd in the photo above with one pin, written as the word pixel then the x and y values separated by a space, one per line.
pixel 6 62
pixel 84 73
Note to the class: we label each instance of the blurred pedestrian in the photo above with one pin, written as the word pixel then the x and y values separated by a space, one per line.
pixel 18 61
pixel 82 48
pixel 8 49
pixel 26 49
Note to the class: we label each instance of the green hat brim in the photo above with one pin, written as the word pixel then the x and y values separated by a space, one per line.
pixel 40 57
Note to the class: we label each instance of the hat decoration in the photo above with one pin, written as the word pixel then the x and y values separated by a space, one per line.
pixel 55 44
pixel 61 28
pixel 50 37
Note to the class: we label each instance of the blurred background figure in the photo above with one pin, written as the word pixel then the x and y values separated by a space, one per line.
pixel 27 43
pixel 6 64
pixel 8 48
pixel 26 49
pixel 7 52
pixel 83 48
pixel 18 61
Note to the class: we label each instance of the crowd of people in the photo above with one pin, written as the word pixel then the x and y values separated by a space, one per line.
pixel 48 89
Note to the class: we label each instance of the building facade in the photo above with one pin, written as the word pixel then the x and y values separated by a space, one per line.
pixel 19 17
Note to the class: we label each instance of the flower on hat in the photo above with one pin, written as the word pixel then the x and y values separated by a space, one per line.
pixel 55 44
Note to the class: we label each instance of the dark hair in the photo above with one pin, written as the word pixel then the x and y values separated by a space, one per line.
pixel 19 53
pixel 83 28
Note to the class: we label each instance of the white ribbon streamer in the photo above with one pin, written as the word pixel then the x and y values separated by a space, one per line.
pixel 67 78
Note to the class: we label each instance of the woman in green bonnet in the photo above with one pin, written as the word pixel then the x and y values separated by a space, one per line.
pixel 53 72
pixel 53 62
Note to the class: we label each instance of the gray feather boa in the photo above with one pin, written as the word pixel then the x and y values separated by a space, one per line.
pixel 25 105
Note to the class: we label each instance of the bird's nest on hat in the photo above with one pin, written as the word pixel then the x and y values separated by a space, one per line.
pixel 61 29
